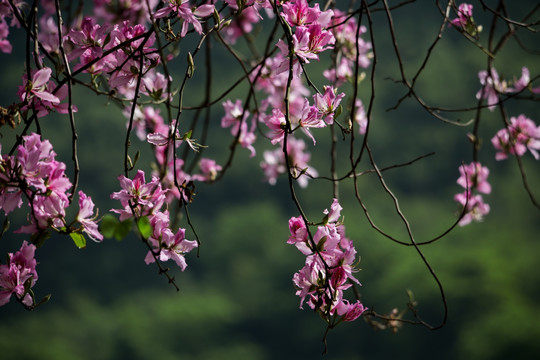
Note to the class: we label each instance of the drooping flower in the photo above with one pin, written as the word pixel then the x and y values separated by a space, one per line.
pixel 474 176
pixel 20 270
pixel 166 244
pixel 328 268
pixel 144 197
pixel 521 135
pixel 86 217
pixel 475 210
pixel 328 103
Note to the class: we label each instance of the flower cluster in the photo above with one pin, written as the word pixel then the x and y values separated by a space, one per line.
pixel 521 135
pixel 329 268
pixel 145 200
pixel 473 179
pixel 19 275
pixel 35 174
pixel 312 32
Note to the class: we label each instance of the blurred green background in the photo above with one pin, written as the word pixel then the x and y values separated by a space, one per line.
pixel 236 300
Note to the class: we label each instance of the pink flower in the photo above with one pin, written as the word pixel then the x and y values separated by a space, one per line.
pixel 350 312
pixel 328 103
pixel 184 10
pixel 86 217
pixel 474 176
pixel 38 87
pixel 209 169
pixel 298 13
pixel 273 163
pixel 492 87
pixel 276 122
pixel 360 116
pixel 464 14
pixel 307 43
pixel 145 198
pixel 521 135
pixel 90 39
pixel 21 268
pixel 155 85
pixel 476 208
pixel 170 246
pixel 334 213
pixel 233 115
pixel 328 269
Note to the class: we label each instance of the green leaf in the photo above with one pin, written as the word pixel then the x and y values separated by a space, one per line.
pixel 143 224
pixel 123 228
pixel 79 240
pixel 110 227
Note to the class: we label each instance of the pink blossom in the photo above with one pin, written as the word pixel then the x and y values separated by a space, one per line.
pixel 170 246
pixel 247 138
pixel 182 178
pixel 155 85
pixel 307 43
pixel 464 14
pixel 474 176
pixel 184 10
pixel 276 122
pixel 521 135
pixel 523 82
pixel 491 87
pixel 299 235
pixel 328 103
pixel 48 211
pixel 310 278
pixel 145 198
pixel 91 38
pixel 329 266
pixel 334 213
pixel 233 115
pixel 21 268
pixel 350 312
pixel 38 94
pixel 310 117
pixel 298 13
pixel 209 169
pixel 86 217
pixel 38 87
pixel 360 116
pixel 476 208
pixel 273 162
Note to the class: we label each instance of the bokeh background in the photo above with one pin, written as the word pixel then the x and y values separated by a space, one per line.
pixel 236 301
